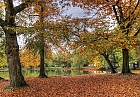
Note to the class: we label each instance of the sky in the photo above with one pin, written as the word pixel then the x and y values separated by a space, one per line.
pixel 75 11
pixel 69 10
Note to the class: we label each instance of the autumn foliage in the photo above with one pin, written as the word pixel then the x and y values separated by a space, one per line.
pixel 29 59
pixel 77 86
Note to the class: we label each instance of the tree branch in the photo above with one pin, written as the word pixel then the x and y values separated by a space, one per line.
pixel 107 0
pixel 132 13
pixel 137 32
pixel 135 7
pixel 22 6
pixel 121 14
pixel 116 14
pixel 117 2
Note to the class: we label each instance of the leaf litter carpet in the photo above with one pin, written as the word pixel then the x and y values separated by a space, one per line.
pixel 100 85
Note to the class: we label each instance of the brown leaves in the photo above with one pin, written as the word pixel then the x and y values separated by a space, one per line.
pixel 78 86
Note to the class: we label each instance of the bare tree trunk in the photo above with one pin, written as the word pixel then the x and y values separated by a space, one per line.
pixel 109 63
pixel 12 52
pixel 42 45
pixel 42 59
pixel 12 47
pixel 42 67
pixel 138 63
pixel 125 66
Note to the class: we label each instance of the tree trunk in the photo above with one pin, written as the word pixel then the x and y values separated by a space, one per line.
pixel 1 78
pixel 42 67
pixel 109 63
pixel 41 52
pixel 134 66
pixel 125 66
pixel 138 63
pixel 12 52
pixel 42 45
pixel 12 47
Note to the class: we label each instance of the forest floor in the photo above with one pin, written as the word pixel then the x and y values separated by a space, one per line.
pixel 99 85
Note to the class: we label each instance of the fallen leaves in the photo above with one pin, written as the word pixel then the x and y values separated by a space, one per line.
pixel 100 85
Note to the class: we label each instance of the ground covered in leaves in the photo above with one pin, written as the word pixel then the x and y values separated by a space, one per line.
pixel 101 85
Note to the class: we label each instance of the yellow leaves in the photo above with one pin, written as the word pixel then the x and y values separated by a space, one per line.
pixel 2 5
pixel 48 54
pixel 29 59
pixel 45 8
pixel 97 62
pixel 80 50
pixel 121 39
pixel 7 28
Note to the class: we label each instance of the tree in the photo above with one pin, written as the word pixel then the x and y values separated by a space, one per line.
pixel 42 43
pixel 97 40
pixel 125 12
pixel 100 44
pixel 12 47
pixel 45 11
pixel 126 21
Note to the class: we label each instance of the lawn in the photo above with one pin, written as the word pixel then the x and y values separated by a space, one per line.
pixel 99 85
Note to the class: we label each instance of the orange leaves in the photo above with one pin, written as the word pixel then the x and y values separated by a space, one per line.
pixel 29 59
pixel 125 11
pixel 48 54
pixel 120 39
pixel 100 85
pixel 73 45
pixel 80 50
pixel 45 8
